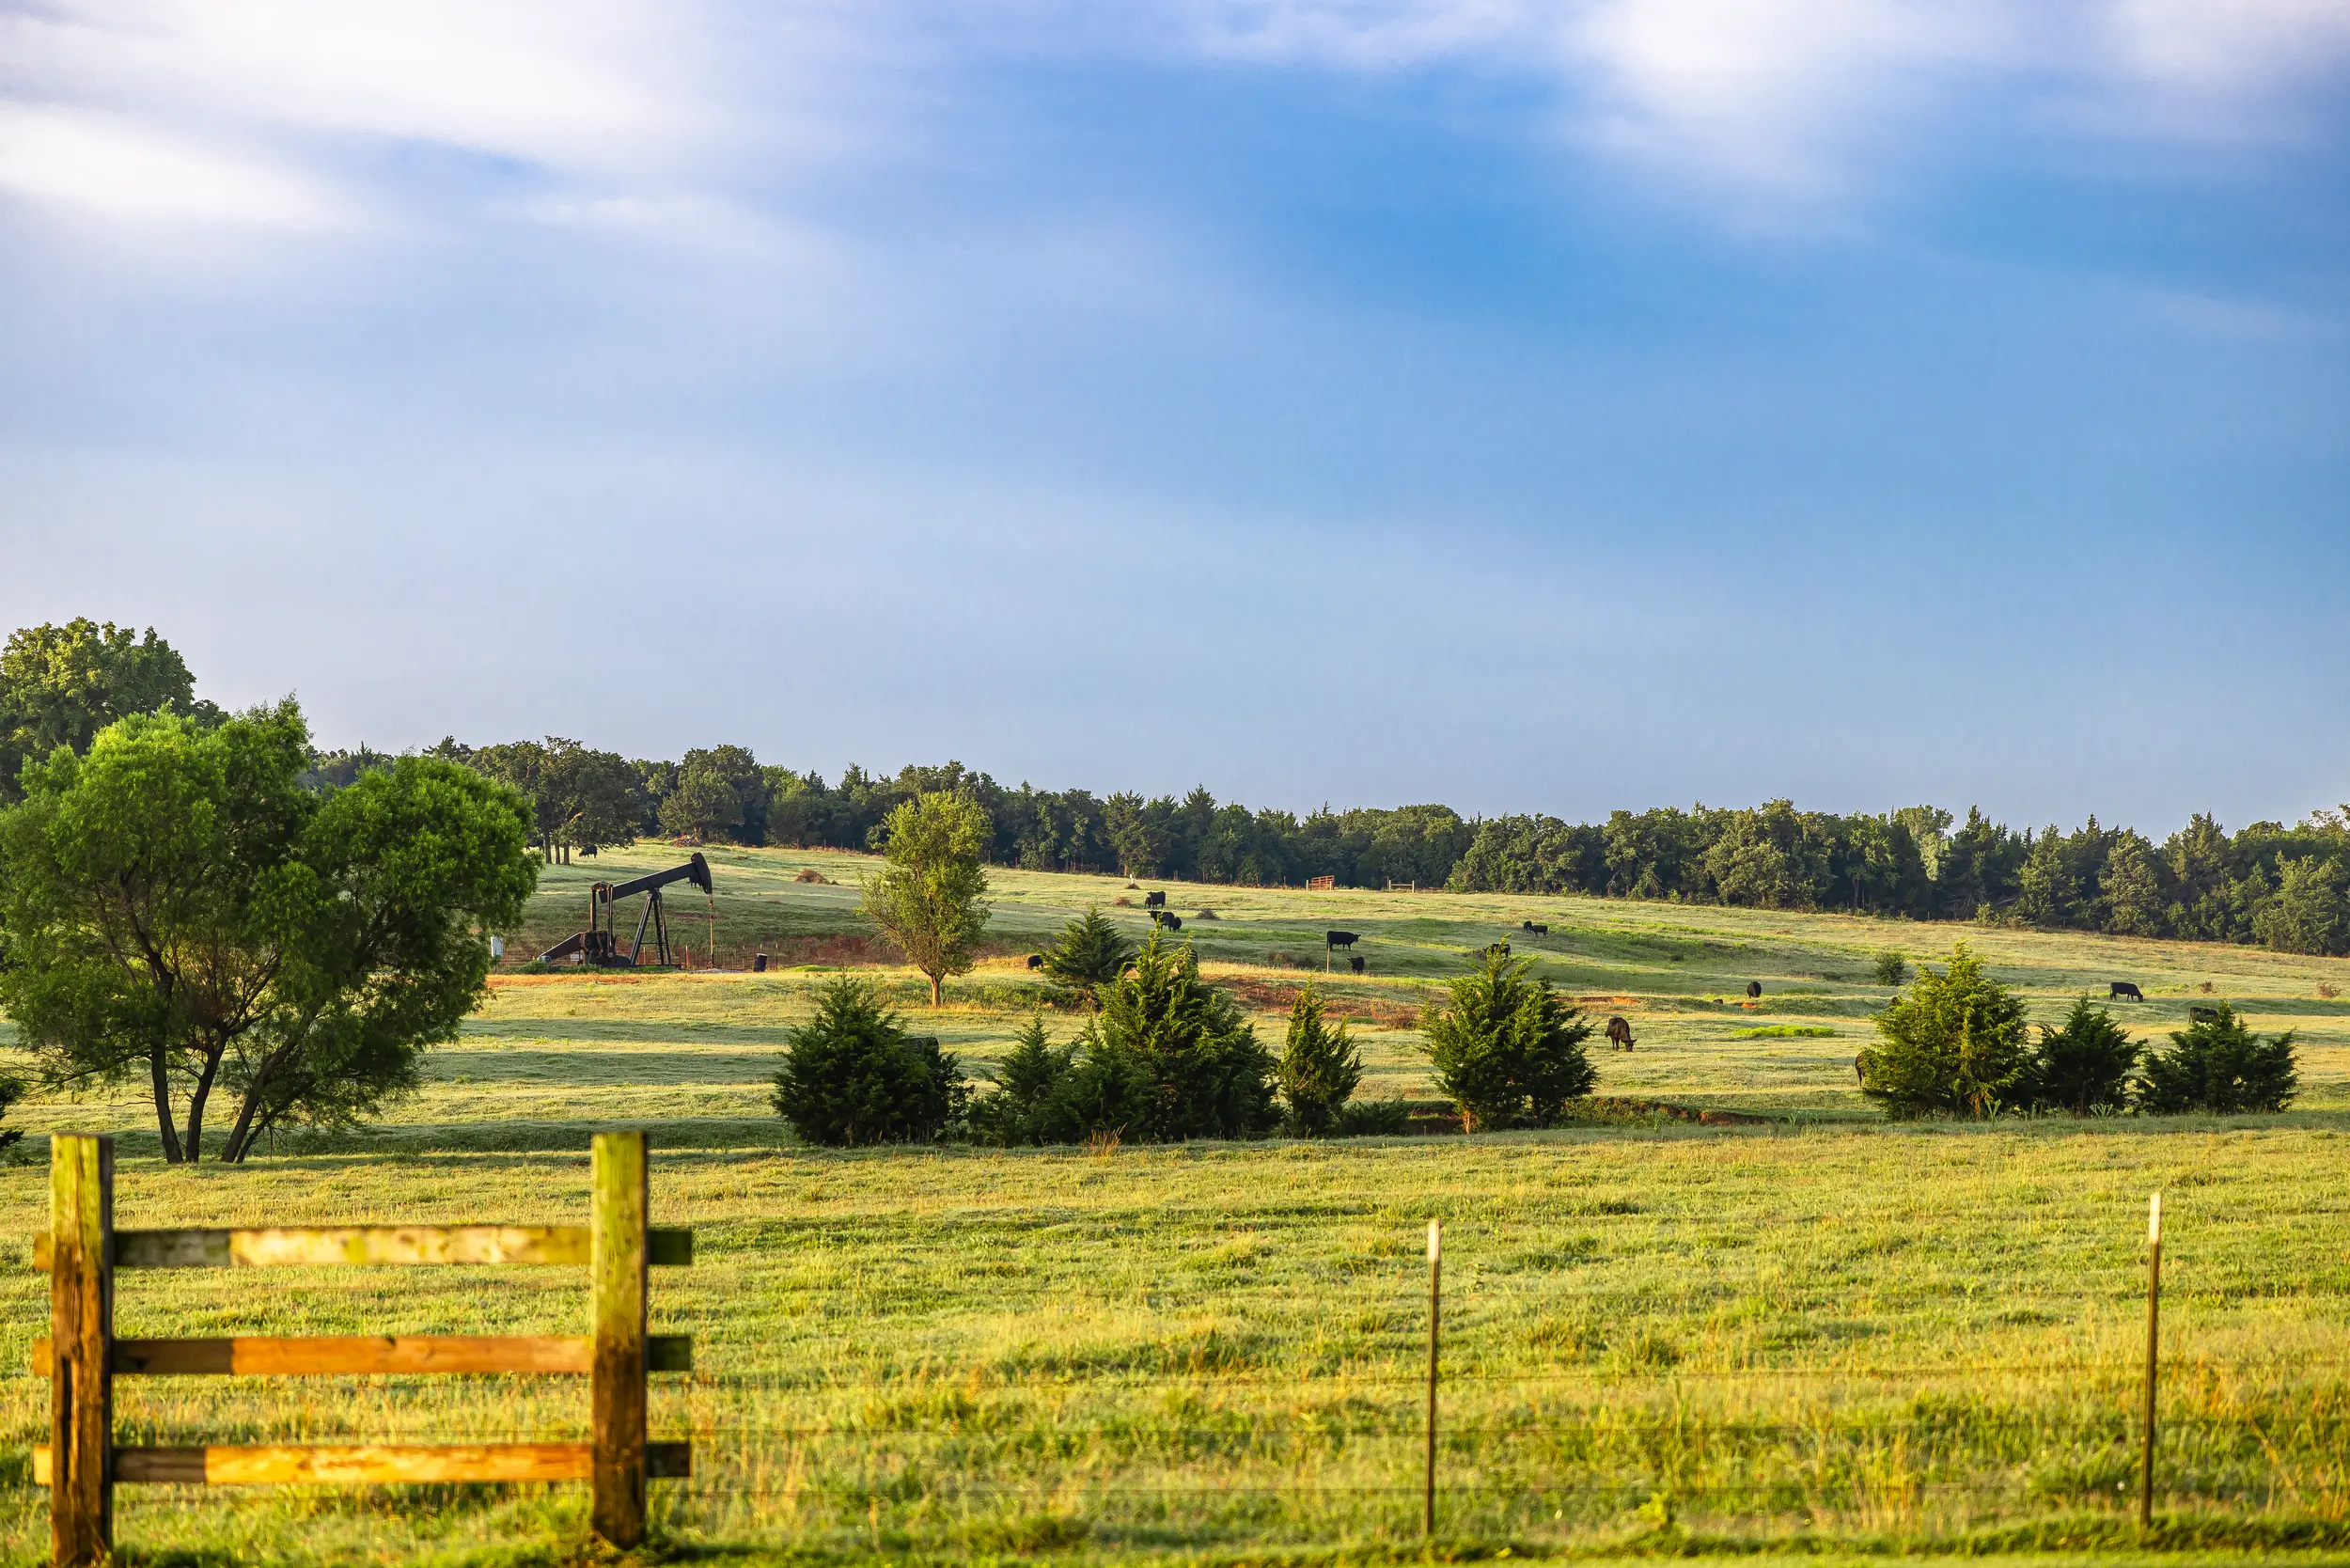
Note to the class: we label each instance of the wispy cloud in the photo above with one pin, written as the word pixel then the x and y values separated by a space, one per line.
pixel 615 112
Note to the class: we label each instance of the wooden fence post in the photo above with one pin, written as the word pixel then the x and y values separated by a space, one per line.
pixel 81 1336
pixel 617 1272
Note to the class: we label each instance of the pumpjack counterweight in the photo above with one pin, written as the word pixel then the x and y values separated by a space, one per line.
pixel 600 944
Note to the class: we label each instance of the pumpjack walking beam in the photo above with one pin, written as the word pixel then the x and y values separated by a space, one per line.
pixel 599 942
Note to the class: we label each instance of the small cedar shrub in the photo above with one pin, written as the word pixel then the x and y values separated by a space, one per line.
pixel 854 1076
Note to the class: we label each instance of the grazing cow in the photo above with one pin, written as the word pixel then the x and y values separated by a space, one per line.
pixel 1154 900
pixel 2202 1014
pixel 1754 989
pixel 1355 961
pixel 1498 949
pixel 2124 989
pixel 1535 930
pixel 1618 1034
pixel 1161 917
pixel 1340 938
pixel 1036 960
pixel 1859 1072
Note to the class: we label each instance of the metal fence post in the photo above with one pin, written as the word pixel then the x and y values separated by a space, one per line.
pixel 617 1273
pixel 81 1343
pixel 2153 1348
pixel 1435 1303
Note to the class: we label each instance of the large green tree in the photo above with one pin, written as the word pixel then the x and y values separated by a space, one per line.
pixel 60 685
pixel 176 906
pixel 1505 1048
pixel 928 898
pixel 1955 1046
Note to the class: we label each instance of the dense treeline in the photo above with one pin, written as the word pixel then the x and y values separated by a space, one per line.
pixel 2284 888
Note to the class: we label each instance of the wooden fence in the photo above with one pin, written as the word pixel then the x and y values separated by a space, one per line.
pixel 81 1464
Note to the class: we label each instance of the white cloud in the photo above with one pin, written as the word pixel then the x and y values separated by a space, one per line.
pixel 627 115
pixel 122 169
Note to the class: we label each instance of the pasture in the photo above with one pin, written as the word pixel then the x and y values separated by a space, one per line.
pixel 1826 1332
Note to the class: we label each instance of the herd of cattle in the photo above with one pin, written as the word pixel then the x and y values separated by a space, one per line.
pixel 1618 1029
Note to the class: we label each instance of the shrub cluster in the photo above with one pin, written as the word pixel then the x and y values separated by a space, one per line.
pixel 1956 1046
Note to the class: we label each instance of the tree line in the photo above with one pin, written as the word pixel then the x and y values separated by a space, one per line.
pixel 2286 888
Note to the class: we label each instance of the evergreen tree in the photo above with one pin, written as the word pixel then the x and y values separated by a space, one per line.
pixel 1954 1046
pixel 2218 1065
pixel 1319 1069
pixel 1029 1082
pixel 2086 1065
pixel 1090 951
pixel 1507 1049
pixel 854 1076
pixel 1202 1073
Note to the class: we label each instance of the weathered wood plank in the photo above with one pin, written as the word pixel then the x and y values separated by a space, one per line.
pixel 378 1463
pixel 373 1354
pixel 620 1204
pixel 560 1245
pixel 80 1331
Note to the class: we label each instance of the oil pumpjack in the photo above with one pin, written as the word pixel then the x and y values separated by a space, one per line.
pixel 600 944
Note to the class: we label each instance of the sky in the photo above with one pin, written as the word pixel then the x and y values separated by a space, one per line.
pixel 1532 407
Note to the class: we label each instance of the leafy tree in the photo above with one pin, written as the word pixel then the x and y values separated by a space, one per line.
pixel 1090 951
pixel 927 900
pixel 1199 1068
pixel 1890 967
pixel 60 685
pixel 1954 1046
pixel 722 790
pixel 1506 1048
pixel 2309 912
pixel 176 905
pixel 853 1075
pixel 2084 1066
pixel 703 806
pixel 2220 1066
pixel 1319 1068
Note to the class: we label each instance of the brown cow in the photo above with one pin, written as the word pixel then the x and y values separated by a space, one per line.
pixel 1619 1033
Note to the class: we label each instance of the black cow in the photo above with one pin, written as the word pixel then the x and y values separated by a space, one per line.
pixel 1618 1034
pixel 1498 949
pixel 1036 960
pixel 1154 900
pixel 1530 926
pixel 2202 1014
pixel 2121 989
pixel 1754 989
pixel 1163 918
pixel 1355 961
pixel 1340 938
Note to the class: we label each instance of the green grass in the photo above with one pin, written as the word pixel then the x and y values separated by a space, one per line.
pixel 1827 1332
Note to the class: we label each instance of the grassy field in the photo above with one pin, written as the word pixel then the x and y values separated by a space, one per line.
pixel 1825 1332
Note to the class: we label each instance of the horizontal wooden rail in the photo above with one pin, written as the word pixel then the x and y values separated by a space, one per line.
pixel 380 1464
pixel 373 1354
pixel 371 1243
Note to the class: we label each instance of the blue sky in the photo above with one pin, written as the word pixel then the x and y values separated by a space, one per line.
pixel 1532 407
